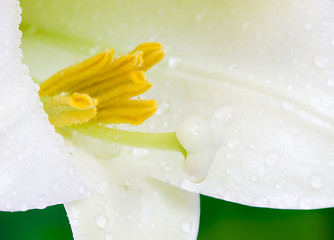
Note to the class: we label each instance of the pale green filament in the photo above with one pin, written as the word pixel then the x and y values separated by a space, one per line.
pixel 160 141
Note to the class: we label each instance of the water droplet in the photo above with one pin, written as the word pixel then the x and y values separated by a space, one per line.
pixel 272 158
pixel 55 185
pixel 309 25
pixel 261 201
pixel 300 140
pixel 6 153
pixel 174 62
pixel 330 82
pixel 316 181
pixel 74 222
pixel 200 16
pixel 309 85
pixel 163 108
pixel 230 196
pixel 153 226
pixel 82 188
pixel 109 236
pixel 305 202
pixel 186 226
pixel 315 100
pixel 167 166
pixel 225 114
pixel 331 163
pixel 321 61
pixel 287 106
pixel 101 221
pixel 278 185
pixel 245 25
pixel 94 50
pixel 141 152
pixel 229 171
pixel 232 143
pixel 71 169
pixel 123 195
pixel 28 150
pixel 95 17
pixel 23 206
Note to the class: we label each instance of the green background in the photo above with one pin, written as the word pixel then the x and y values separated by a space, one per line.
pixel 219 220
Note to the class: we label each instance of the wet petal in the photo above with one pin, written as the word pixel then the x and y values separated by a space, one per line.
pixel 36 170
pixel 130 206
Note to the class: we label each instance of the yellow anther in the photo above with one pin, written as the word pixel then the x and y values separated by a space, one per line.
pixel 152 54
pixel 68 110
pixel 113 82
pixel 129 111
pixel 66 79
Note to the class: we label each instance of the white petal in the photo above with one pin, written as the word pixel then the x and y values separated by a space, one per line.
pixel 36 168
pixel 265 66
pixel 130 206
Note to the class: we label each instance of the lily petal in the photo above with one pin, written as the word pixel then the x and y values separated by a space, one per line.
pixel 264 67
pixel 131 206
pixel 36 170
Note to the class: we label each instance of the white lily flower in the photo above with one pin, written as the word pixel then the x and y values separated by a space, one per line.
pixel 263 69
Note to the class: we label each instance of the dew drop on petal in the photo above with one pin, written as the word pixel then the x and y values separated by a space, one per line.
pixel 309 25
pixel 316 181
pixel 232 143
pixel 331 163
pixel 321 61
pixel 55 185
pixel 163 108
pixel 109 236
pixel 101 221
pixel 278 186
pixel 261 201
pixel 225 114
pixel 272 158
pixel 300 140
pixel 287 106
pixel 82 188
pixel 330 82
pixel 186 226
pixel 305 202
pixel 174 62
pixel 167 166
pixel 141 152
pixel 23 206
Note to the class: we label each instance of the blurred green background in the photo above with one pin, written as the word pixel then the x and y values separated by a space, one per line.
pixel 219 220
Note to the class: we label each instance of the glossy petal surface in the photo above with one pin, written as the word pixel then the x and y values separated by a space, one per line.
pixel 131 206
pixel 264 67
pixel 36 170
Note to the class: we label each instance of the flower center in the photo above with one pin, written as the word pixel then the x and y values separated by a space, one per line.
pixel 100 90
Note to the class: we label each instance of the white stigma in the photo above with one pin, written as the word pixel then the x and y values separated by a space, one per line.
pixel 202 138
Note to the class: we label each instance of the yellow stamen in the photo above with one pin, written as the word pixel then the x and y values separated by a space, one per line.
pixel 152 53
pixel 68 78
pixel 111 73
pixel 129 111
pixel 113 82
pixel 68 110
